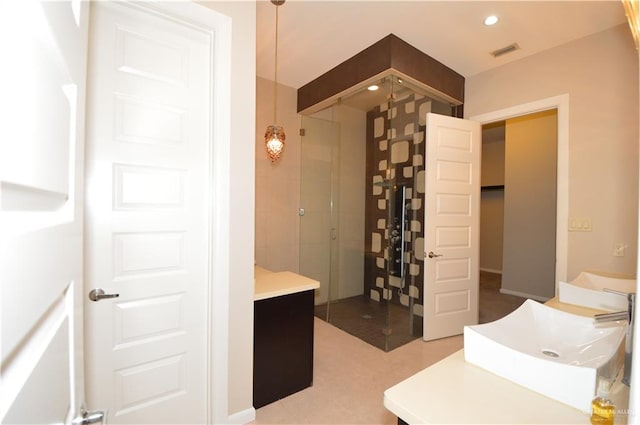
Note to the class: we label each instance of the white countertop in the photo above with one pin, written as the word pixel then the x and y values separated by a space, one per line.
pixel 453 391
pixel 268 284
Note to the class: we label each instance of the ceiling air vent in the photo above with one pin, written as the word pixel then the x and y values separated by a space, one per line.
pixel 503 51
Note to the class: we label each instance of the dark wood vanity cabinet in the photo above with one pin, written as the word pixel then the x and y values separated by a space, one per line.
pixel 283 346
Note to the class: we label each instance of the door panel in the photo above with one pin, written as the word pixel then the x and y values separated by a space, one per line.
pixel 147 224
pixel 452 182
pixel 318 197
pixel 44 47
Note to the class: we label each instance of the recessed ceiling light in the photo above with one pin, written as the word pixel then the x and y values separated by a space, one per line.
pixel 490 20
pixel 373 87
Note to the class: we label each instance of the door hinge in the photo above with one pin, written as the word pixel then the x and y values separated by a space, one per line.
pixel 302 132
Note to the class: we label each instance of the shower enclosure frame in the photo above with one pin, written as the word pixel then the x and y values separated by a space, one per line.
pixel 390 57
pixel 406 286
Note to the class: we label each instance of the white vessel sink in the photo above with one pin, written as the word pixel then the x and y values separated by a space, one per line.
pixel 587 290
pixel 549 351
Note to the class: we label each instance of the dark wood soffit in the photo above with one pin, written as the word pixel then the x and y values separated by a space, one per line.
pixel 366 64
pixel 414 63
pixel 390 52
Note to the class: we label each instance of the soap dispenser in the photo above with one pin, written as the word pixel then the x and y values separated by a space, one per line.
pixel 602 409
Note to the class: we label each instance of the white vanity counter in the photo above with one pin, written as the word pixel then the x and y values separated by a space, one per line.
pixel 453 391
pixel 268 284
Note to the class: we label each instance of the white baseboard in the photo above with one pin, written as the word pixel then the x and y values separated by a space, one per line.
pixel 482 269
pixel 524 295
pixel 243 417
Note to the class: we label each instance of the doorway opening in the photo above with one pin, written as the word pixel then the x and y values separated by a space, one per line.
pixel 558 261
pixel 518 212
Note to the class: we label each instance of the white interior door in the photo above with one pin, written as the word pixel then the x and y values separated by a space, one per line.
pixel 452 225
pixel 148 156
pixel 42 81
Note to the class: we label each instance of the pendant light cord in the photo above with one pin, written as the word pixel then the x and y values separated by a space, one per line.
pixel 275 81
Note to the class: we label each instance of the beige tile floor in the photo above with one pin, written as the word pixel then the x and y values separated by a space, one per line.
pixel 350 376
pixel 492 304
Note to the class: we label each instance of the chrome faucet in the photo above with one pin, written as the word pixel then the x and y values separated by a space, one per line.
pixel 623 315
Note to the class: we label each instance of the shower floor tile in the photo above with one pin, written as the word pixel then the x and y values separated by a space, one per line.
pixel 367 319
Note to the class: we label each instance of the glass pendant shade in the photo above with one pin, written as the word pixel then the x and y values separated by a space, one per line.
pixel 274 139
pixel 274 136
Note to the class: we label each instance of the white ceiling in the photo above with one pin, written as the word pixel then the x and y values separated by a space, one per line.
pixel 315 36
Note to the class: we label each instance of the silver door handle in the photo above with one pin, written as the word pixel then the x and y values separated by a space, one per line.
pixel 86 418
pixel 432 255
pixel 98 294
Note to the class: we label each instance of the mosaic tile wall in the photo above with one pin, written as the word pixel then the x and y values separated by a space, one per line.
pixel 395 150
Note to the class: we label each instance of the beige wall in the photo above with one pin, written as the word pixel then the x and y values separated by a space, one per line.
pixel 492 173
pixel 600 74
pixel 491 230
pixel 492 201
pixel 241 208
pixel 277 193
pixel 528 267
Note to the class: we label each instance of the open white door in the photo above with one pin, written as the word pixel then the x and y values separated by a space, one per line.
pixel 148 213
pixel 452 225
pixel 42 81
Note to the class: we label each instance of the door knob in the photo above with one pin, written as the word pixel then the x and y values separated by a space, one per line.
pixel 433 255
pixel 98 294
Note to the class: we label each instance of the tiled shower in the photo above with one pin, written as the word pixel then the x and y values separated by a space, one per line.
pixel 362 210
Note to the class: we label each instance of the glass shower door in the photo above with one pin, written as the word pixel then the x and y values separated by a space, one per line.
pixel 319 155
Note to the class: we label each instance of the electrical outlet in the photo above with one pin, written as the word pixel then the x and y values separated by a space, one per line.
pixel 618 250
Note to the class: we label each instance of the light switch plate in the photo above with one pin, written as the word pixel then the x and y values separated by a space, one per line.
pixel 580 224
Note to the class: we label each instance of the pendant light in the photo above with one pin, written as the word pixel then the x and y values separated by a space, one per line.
pixel 274 135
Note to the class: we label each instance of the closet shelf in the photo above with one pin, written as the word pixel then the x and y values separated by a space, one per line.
pixel 495 187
